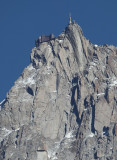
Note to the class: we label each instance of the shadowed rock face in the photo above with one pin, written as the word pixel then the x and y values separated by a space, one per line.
pixel 64 104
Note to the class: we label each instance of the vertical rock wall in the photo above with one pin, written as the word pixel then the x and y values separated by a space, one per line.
pixel 63 106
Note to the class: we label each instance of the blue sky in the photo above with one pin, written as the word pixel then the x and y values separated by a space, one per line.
pixel 23 21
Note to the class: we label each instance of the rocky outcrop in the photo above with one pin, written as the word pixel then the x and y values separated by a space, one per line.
pixel 63 106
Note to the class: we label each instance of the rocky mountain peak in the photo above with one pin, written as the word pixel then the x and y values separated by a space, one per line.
pixel 63 106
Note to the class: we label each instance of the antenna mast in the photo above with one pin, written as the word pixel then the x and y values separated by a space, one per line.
pixel 70 18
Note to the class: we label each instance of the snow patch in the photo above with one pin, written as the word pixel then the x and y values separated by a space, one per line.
pixel 54 91
pixel 90 67
pixel 29 80
pixel 60 41
pixel 113 83
pixel 85 109
pixel 5 132
pixel 93 64
pixel 68 96
pixel 52 153
pixel 69 135
pixel 100 94
pixel 48 67
pixel 47 70
pixel 96 78
pixel 91 135
pixel 96 45
pixel 17 129
pixel 2 103
pixel 66 140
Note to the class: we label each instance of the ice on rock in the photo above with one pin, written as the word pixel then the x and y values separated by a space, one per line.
pixel 54 91
pixel 69 135
pixel 113 82
pixel 4 133
pixel 96 45
pixel 29 80
pixel 2 103
pixel 66 140
pixel 100 94
pixel 91 135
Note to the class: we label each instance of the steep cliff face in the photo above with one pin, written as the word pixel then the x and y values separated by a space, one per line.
pixel 64 104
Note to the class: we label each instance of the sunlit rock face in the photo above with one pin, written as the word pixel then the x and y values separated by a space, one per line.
pixel 64 104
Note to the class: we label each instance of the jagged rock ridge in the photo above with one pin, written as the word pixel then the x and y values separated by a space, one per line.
pixel 63 106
